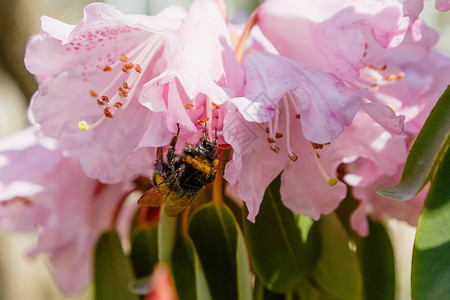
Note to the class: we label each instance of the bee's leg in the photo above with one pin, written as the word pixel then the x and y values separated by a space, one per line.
pixel 215 135
pixel 173 143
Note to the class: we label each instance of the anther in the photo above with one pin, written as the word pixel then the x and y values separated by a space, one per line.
pixel 297 116
pixel 293 157
pixel 129 66
pixel 270 140
pixel 118 104
pixel 278 135
pixel 107 69
pixel 125 85
pixel 93 94
pixel 138 68
pixel 203 121
pixel 317 146
pixel 100 102
pixel 107 113
pixel 122 93
pixel 105 99
pixel 275 149
pixel 189 106
pixel 215 105
pixel 125 70
pixel 124 58
pixel 267 130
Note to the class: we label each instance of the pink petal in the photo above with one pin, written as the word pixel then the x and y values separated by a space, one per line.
pixel 207 63
pixel 385 116
pixel 330 37
pixel 326 104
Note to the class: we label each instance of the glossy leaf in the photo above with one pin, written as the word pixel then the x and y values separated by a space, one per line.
pixel 112 273
pixel 275 244
pixel 426 152
pixel 244 284
pixel 431 257
pixel 217 247
pixel 338 272
pixel 144 250
pixel 183 268
pixel 377 263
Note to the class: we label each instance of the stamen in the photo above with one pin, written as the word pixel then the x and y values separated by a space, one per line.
pixel 278 135
pixel 275 149
pixel 189 106
pixel 293 157
pixel 203 121
pixel 267 130
pixel 83 125
pixel 291 154
pixel 138 68
pixel 143 53
pixel 215 105
pixel 331 181
pixel 317 146
pixel 270 140
pixel 107 113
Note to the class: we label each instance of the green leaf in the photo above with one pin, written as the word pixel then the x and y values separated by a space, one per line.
pixel 338 272
pixel 428 149
pixel 275 244
pixel 215 233
pixel 112 272
pixel 377 263
pixel 183 268
pixel 431 256
pixel 244 284
pixel 144 250
pixel 215 239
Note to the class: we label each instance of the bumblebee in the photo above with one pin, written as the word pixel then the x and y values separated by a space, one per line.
pixel 181 177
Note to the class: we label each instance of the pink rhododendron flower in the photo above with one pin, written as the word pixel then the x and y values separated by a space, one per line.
pixel 380 208
pixel 91 75
pixel 331 36
pixel 409 78
pixel 285 108
pixel 323 101
pixel 412 8
pixel 41 189
pixel 200 77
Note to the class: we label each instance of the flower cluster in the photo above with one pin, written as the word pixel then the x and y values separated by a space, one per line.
pixel 329 95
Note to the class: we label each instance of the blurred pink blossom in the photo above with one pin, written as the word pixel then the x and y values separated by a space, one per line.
pixel 41 189
pixel 331 36
pixel 412 8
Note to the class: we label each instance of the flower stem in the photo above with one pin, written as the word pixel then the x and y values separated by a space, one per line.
pixel 239 50
pixel 167 231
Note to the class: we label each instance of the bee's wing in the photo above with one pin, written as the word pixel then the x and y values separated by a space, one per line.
pixel 152 197
pixel 176 204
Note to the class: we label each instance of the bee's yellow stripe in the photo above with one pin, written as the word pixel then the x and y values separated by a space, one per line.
pixel 199 164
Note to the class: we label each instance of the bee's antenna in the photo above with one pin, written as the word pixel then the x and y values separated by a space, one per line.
pixel 215 135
